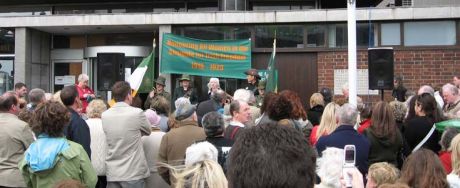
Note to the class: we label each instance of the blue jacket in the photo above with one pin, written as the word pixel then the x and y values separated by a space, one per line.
pixel 347 135
pixel 78 131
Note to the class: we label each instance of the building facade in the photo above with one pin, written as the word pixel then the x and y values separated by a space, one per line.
pixel 48 45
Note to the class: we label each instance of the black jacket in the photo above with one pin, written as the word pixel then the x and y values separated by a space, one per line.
pixel 416 129
pixel 223 146
pixel 384 149
pixel 314 114
pixel 190 93
pixel 78 131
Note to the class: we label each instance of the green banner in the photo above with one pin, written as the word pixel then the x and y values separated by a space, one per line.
pixel 219 58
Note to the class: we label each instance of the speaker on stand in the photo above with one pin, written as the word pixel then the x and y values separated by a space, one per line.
pixel 110 69
pixel 381 69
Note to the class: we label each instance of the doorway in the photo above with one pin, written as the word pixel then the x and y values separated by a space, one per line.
pixel 66 73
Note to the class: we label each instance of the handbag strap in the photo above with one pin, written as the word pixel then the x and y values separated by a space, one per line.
pixel 419 145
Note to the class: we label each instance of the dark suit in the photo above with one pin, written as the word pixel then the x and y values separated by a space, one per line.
pixel 205 107
pixel 347 135
pixel 78 131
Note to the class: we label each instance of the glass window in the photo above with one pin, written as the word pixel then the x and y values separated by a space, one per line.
pixel 6 73
pixel 214 32
pixel 287 36
pixel 316 35
pixel 391 34
pixel 6 41
pixel 338 35
pixel 429 33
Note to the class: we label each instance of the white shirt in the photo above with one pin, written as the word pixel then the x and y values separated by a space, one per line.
pixel 236 123
pixel 98 145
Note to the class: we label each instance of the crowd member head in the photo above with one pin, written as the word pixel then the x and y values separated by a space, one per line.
pixel 456 80
pixel 328 120
pixel 280 108
pixel 153 117
pixel 345 90
pixel 411 108
pixel 270 155
pixel 161 106
pixel 380 173
pixel 252 75
pixel 455 147
pixel 185 112
pixel 423 169
pixel 425 105
pixel 185 81
pixel 330 167
pixel 181 101
pixel 9 103
pixel 95 108
pixel 50 119
pixel 121 92
pixel 201 168
pixel 219 96
pixel 365 113
pixel 383 122
pixel 450 94
pixel 213 124
pixel 399 110
pixel 20 89
pixel 398 82
pixel 426 89
pixel 360 104
pixel 160 83
pixel 298 111
pixel 446 138
pixel 213 84
pixel 242 95
pixel 327 95
pixel 394 185
pixel 240 111
pixel 69 96
pixel 83 80
pixel 266 102
pixel 36 96
pixel 316 100
pixel 347 114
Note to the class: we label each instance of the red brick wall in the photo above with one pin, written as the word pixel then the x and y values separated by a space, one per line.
pixel 417 67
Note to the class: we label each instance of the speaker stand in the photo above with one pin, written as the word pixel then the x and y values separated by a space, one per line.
pixel 381 94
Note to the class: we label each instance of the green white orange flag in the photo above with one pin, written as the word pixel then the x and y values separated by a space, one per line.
pixel 271 77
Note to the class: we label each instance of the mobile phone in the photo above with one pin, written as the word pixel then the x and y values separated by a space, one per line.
pixel 349 161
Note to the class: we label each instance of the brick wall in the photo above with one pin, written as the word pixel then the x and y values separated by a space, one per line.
pixel 417 67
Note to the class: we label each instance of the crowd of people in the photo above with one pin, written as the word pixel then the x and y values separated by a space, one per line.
pixel 251 139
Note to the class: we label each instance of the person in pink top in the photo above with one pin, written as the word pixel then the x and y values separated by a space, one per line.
pixel 85 93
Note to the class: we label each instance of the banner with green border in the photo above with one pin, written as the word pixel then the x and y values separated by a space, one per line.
pixel 214 58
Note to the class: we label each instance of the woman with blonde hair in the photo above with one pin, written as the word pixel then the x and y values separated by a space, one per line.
pixel 454 177
pixel 327 125
pixel 381 173
pixel 98 143
pixel 316 108
pixel 201 168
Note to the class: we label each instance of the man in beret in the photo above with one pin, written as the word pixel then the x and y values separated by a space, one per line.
pixel 253 77
pixel 175 142
pixel 158 91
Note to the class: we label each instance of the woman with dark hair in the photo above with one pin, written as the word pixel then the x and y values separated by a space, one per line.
pixel 52 158
pixel 422 125
pixel 423 169
pixel 162 107
pixel 384 136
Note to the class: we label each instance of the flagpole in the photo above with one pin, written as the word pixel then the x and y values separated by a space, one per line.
pixel 352 70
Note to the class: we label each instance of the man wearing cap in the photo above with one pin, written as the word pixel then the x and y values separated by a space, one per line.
pixel 185 90
pixel 175 142
pixel 253 80
pixel 157 91
pixel 261 90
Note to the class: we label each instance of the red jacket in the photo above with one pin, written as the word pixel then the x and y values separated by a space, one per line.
pixel 446 160
pixel 364 125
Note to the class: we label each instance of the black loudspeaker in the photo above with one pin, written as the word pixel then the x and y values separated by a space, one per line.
pixel 381 69
pixel 110 69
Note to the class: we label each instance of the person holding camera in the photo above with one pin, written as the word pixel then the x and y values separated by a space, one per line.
pixel 157 91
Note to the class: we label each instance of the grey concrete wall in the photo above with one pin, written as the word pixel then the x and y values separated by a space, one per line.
pixel 32 58
pixel 428 3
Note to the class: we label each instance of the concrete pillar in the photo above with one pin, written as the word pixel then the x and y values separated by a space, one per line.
pixel 32 58
pixel 164 29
